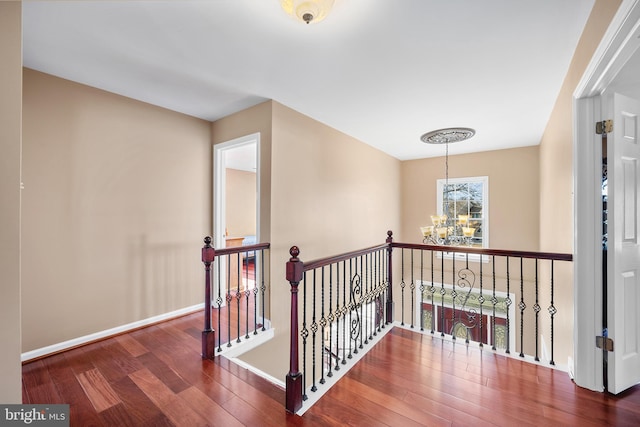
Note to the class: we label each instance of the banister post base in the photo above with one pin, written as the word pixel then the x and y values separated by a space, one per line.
pixel 208 344
pixel 389 306
pixel 208 334
pixel 294 392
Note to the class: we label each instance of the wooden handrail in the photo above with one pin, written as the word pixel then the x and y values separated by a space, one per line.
pixel 322 262
pixel 240 249
pixel 482 251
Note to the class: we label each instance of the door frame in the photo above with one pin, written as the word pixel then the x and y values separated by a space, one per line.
pixel 219 184
pixel 219 194
pixel 616 47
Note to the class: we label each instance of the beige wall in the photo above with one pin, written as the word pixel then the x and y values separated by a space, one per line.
pixel 556 158
pixel 117 199
pixel 556 164
pixel 10 146
pixel 241 203
pixel 330 194
pixel 513 194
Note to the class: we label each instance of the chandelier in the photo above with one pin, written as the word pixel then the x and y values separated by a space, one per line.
pixel 445 230
pixel 307 10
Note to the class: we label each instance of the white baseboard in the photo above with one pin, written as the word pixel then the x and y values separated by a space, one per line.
pixel 65 345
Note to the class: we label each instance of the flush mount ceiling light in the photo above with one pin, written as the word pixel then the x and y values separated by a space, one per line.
pixel 307 10
pixel 444 136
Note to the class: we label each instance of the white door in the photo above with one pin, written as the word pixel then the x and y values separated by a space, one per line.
pixel 623 278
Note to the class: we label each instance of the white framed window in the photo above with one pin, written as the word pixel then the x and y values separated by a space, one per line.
pixel 465 201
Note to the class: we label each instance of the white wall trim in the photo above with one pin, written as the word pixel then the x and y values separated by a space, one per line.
pixel 65 345
pixel 587 261
pixel 219 184
pixel 612 53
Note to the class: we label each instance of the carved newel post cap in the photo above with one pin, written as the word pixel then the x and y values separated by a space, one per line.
pixel 389 233
pixel 294 252
pixel 207 241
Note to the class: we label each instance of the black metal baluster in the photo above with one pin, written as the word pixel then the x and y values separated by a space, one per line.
pixel 508 304
pixel 380 293
pixel 536 309
pixel 364 308
pixel 466 300
pixel 219 302
pixel 247 293
pixel 360 327
pixel 331 319
pixel 375 285
pixel 376 292
pixel 454 294
pixel 346 310
pixel 494 301
pixel 442 293
pixel 314 330
pixel 370 300
pixel 255 291
pixel 305 334
pixel 238 293
pixel 344 313
pixel 229 299
pixel 402 285
pixel 339 310
pixel 338 314
pixel 421 289
pixel 323 323
pixel 552 312
pixel 432 289
pixel 521 306
pixel 481 301
pixel 364 314
pixel 413 292
pixel 351 308
pixel 263 288
pixel 383 291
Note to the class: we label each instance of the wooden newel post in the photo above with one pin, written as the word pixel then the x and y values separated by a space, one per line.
pixel 294 377
pixel 208 334
pixel 389 278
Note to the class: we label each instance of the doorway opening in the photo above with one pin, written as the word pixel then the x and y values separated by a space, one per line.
pixel 236 193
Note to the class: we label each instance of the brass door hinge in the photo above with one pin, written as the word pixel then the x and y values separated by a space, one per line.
pixel 605 126
pixel 604 343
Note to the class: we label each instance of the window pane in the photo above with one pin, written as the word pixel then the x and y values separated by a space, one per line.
pixel 465 196
pixel 475 191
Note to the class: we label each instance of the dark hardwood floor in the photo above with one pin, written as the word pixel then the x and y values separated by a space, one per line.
pixel 156 377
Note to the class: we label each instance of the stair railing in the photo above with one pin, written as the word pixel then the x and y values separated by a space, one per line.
pixel 236 286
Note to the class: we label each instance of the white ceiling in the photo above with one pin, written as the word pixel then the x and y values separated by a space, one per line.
pixel 381 71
